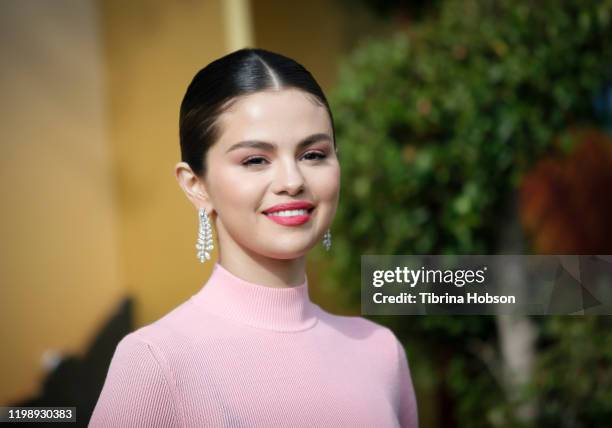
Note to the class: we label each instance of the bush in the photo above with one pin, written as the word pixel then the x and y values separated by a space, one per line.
pixel 435 128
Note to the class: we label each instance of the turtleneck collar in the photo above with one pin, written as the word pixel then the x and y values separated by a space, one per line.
pixel 257 305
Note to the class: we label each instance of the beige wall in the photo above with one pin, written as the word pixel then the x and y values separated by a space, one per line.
pixel 92 211
pixel 153 49
pixel 59 261
pixel 316 33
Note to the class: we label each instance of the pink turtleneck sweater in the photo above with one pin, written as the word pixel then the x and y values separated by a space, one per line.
pixel 239 354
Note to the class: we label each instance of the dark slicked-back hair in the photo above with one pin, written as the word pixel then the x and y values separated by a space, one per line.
pixel 218 85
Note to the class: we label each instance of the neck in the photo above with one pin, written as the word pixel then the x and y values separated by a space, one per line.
pixel 258 269
pixel 257 304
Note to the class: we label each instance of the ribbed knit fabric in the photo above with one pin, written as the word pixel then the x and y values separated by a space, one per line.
pixel 239 354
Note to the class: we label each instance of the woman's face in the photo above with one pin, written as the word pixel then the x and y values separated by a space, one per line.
pixel 275 147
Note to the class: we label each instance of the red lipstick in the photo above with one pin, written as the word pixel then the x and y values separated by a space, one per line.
pixel 278 213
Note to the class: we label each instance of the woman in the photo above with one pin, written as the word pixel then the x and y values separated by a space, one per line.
pixel 250 349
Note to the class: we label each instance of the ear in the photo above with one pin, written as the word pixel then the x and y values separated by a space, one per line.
pixel 194 187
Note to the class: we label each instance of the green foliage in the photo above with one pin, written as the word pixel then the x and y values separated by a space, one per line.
pixel 574 377
pixel 434 130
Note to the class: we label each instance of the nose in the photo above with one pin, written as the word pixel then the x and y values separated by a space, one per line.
pixel 288 178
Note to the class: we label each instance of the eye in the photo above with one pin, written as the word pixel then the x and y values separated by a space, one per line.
pixel 256 160
pixel 315 156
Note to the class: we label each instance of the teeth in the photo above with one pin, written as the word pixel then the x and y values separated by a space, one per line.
pixel 289 213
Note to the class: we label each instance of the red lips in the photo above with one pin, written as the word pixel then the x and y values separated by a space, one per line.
pixel 297 205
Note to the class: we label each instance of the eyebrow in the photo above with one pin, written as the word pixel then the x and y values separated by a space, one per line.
pixel 264 145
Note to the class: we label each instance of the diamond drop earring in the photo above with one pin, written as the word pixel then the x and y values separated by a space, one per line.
pixel 327 240
pixel 205 241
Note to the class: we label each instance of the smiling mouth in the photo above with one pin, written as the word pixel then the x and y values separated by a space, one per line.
pixel 290 213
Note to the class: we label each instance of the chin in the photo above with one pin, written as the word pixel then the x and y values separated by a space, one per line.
pixel 286 254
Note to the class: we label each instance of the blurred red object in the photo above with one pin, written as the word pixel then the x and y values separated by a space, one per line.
pixel 566 202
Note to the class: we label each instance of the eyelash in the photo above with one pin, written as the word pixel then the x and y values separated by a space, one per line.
pixel 247 162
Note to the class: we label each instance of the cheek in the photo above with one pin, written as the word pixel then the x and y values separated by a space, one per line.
pixel 233 189
pixel 326 184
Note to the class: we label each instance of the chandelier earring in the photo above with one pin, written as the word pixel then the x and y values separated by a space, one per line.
pixel 205 243
pixel 327 240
